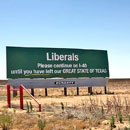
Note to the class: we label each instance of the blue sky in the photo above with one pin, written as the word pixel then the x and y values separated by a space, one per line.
pixel 87 24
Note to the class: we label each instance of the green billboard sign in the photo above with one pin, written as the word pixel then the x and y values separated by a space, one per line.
pixel 25 62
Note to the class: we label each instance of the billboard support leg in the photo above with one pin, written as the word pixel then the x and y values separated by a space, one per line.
pixel 32 91
pixel 105 90
pixel 8 96
pixel 90 90
pixel 46 92
pixel 21 96
pixel 65 91
pixel 77 91
pixel 15 93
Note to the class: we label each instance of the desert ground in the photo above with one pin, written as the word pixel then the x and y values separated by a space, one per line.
pixel 98 111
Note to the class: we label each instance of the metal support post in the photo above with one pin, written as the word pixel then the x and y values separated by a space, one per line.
pixel 77 91
pixel 21 97
pixel 8 96
pixel 46 92
pixel 105 90
pixel 65 91
pixel 39 107
pixel 14 93
pixel 90 90
pixel 32 91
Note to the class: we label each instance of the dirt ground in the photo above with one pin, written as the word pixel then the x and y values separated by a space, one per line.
pixel 72 112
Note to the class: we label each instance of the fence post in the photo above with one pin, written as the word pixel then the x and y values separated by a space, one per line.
pixel 21 96
pixel 8 96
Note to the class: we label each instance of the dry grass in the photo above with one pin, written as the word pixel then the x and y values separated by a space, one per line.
pixel 82 112
pixel 92 113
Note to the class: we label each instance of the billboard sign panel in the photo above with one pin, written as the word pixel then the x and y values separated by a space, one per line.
pixel 28 62
pixel 58 83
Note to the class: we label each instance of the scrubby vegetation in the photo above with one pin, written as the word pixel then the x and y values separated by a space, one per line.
pixel 5 121
pixel 111 113
pixel 102 112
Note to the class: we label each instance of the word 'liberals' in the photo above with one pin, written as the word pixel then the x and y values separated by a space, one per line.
pixel 61 57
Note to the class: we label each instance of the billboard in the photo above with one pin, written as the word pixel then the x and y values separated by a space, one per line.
pixel 28 62
pixel 58 83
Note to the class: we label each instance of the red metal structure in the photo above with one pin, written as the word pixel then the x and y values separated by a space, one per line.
pixel 8 96
pixel 21 97
pixel 21 88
